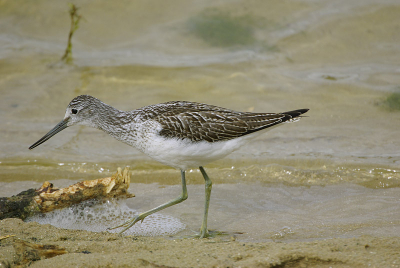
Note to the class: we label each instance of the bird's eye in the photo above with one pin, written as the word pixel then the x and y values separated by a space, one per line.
pixel 74 111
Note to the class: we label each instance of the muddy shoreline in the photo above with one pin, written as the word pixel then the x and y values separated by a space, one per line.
pixel 88 249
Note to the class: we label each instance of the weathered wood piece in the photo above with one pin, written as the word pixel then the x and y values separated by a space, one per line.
pixel 48 197
pixel 26 252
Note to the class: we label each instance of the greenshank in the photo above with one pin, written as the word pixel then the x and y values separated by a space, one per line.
pixel 179 134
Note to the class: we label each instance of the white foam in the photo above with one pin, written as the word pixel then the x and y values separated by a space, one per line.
pixel 97 216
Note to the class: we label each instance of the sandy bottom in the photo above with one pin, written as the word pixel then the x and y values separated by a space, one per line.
pixel 88 249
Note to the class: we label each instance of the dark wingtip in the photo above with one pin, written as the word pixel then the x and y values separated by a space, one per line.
pixel 302 111
pixel 296 113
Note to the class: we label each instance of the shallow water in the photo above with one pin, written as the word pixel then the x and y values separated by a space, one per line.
pixel 335 173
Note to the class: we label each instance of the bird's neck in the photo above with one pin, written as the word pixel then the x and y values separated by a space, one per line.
pixel 117 123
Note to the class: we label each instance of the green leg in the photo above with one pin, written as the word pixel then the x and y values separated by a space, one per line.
pixel 208 187
pixel 128 224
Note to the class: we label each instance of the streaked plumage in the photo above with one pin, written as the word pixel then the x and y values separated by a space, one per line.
pixel 178 133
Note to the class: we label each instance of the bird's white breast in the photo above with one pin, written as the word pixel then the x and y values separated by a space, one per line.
pixel 178 153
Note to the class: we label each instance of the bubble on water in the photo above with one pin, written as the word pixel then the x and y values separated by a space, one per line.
pixel 97 216
pixel 282 233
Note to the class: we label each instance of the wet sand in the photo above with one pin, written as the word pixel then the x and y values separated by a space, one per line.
pixel 88 249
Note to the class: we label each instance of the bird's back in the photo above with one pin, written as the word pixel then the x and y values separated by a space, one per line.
pixel 203 122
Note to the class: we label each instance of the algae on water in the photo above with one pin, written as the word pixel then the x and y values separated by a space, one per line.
pixel 221 29
pixel 393 101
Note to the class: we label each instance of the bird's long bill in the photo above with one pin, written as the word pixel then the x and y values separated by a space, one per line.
pixel 59 127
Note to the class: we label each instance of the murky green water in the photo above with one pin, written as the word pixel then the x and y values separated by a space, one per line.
pixel 334 173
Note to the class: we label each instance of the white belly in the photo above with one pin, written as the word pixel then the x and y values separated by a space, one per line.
pixel 181 154
pixel 184 154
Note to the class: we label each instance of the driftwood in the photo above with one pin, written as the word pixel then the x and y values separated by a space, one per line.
pixel 48 198
pixel 26 252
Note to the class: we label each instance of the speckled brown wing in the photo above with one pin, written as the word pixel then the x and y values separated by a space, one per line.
pixel 215 126
pixel 199 121
pixel 173 108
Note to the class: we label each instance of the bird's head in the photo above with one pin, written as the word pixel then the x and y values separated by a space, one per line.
pixel 80 111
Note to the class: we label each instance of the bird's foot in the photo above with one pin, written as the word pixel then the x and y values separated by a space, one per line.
pixel 129 223
pixel 208 234
pixel 204 233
